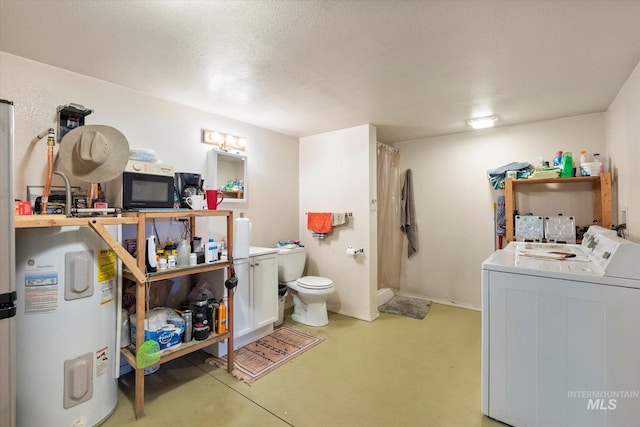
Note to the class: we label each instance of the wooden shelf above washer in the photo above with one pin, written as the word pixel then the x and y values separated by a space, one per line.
pixel 601 187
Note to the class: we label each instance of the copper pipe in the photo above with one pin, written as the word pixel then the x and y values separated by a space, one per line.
pixel 47 185
pixel 92 194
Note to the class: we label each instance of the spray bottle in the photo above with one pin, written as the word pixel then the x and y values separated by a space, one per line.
pixel 557 159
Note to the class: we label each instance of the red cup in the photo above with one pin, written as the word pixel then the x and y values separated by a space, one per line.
pixel 214 198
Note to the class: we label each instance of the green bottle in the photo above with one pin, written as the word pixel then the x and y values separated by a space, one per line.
pixel 566 165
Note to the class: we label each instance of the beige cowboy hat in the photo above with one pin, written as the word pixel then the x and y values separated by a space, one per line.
pixel 94 153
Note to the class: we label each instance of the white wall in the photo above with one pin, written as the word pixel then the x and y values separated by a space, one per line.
pixel 173 131
pixel 336 172
pixel 454 201
pixel 623 145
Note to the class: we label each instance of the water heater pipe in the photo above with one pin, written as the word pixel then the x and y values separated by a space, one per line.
pixel 67 186
pixel 51 142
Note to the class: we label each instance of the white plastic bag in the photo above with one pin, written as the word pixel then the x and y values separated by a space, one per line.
pixel 201 288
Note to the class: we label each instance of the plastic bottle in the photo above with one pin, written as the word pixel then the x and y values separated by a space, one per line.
pixel 184 250
pixel 597 158
pixel 557 160
pixel 221 324
pixel 566 166
pixel 216 250
pixel 583 157
pixel 210 251
pixel 583 160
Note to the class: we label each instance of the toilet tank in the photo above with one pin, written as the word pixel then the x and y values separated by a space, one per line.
pixel 291 264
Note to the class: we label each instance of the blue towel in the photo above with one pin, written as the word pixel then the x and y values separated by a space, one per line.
pixel 497 175
pixel 513 166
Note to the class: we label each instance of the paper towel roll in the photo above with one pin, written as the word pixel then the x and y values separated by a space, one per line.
pixel 241 238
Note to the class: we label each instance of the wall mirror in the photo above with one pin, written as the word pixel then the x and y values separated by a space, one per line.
pixel 227 172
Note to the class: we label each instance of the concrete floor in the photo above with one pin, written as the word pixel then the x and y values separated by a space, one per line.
pixel 394 371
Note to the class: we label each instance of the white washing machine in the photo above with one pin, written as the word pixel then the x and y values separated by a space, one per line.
pixel 67 351
pixel 561 333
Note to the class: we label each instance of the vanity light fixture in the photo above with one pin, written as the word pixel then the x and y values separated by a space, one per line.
pixel 223 141
pixel 482 122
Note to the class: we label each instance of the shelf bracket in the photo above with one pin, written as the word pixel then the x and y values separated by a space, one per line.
pixel 122 253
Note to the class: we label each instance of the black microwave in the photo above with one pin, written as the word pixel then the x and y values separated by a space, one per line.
pixel 143 185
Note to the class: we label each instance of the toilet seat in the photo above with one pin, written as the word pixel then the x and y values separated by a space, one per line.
pixel 314 283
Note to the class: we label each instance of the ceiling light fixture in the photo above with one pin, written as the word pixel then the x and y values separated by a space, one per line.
pixel 482 122
pixel 224 141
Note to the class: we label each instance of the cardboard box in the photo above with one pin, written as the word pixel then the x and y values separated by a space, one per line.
pixel 23 208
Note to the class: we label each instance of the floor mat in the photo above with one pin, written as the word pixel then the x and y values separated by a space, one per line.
pixel 405 306
pixel 257 359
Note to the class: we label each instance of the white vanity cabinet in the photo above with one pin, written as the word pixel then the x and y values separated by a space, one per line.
pixel 255 298
pixel 263 279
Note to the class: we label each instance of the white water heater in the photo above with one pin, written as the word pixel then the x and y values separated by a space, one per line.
pixel 66 345
pixel 7 264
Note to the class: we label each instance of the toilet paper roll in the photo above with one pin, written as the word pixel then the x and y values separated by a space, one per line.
pixel 241 238
pixel 351 251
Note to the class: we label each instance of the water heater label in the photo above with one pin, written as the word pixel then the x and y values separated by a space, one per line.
pixel 106 265
pixel 102 361
pixel 106 274
pixel 41 292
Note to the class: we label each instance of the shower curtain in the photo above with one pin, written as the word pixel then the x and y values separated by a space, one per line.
pixel 389 234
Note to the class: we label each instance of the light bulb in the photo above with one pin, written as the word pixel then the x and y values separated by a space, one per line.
pixel 217 137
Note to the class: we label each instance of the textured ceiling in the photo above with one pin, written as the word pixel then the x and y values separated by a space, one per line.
pixel 412 68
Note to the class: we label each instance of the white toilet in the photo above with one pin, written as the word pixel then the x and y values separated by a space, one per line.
pixel 310 293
